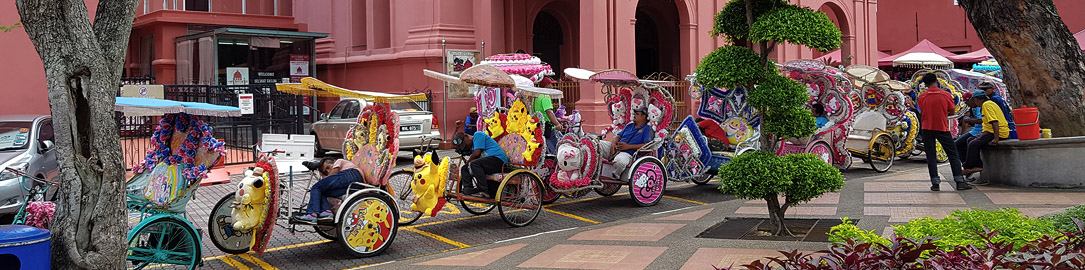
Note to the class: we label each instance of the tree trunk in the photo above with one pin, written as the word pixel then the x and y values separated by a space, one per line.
pixel 82 68
pixel 1042 62
pixel 776 216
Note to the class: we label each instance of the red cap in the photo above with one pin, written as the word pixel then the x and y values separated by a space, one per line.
pixel 966 95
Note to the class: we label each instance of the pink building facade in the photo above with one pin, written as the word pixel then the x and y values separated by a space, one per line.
pixel 383 45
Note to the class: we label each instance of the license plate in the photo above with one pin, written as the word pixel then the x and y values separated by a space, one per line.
pixel 410 128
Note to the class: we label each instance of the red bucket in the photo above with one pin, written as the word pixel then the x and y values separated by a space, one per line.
pixel 1027 121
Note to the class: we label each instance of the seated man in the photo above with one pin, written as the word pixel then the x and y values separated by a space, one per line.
pixel 474 173
pixel 338 175
pixel 819 121
pixel 995 128
pixel 632 137
pixel 975 118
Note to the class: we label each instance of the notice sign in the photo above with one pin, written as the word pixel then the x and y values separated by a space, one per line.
pixel 299 65
pixel 237 76
pixel 142 91
pixel 245 102
pixel 458 61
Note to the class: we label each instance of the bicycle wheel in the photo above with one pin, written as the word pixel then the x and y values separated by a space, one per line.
pixel 881 153
pixel 703 179
pixel 476 208
pixel 221 228
pixel 822 150
pixel 368 226
pixel 647 181
pixel 328 232
pixel 400 183
pixel 520 198
pixel 548 167
pixel 608 189
pixel 167 241
pixel 940 153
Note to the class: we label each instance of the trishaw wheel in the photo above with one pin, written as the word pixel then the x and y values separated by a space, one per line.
pixel 477 208
pixel 822 150
pixel 520 198
pixel 940 153
pixel 881 153
pixel 549 195
pixel 368 225
pixel 703 179
pixel 167 241
pixel 647 181
pixel 548 167
pixel 221 229
pixel 608 189
pixel 328 232
pixel 400 183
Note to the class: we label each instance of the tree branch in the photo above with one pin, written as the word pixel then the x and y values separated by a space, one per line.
pixel 112 27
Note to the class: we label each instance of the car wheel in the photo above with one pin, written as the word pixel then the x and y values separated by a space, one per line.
pixel 318 151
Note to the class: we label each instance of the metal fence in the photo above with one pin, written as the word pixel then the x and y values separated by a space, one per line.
pixel 273 112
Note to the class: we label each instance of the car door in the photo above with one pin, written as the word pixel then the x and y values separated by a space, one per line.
pixel 347 120
pixel 326 127
pixel 45 164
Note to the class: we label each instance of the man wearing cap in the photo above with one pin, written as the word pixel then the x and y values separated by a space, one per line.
pixel 486 158
pixel 632 137
pixel 470 125
pixel 544 105
pixel 995 127
pixel 974 119
pixel 936 105
pixel 1007 112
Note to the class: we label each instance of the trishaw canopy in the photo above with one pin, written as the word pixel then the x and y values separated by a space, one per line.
pixel 157 107
pixel 310 86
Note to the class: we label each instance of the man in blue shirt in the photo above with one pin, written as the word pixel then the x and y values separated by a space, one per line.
pixel 974 119
pixel 989 89
pixel 469 125
pixel 473 174
pixel 632 137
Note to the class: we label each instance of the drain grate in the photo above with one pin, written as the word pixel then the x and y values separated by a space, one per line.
pixel 805 230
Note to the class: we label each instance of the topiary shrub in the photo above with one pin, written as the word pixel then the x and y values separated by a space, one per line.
pixel 1063 221
pixel 762 175
pixel 964 227
pixel 797 25
pixel 726 67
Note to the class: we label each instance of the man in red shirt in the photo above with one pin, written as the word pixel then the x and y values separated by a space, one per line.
pixel 936 105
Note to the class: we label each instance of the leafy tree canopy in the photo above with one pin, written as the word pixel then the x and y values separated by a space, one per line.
pixel 730 66
pixel 796 25
pixel 731 21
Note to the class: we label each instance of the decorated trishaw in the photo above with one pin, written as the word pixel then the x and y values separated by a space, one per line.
pixel 883 128
pixel 183 151
pixel 503 116
pixel 581 164
pixel 945 82
pixel 365 217
pixel 970 81
pixel 829 87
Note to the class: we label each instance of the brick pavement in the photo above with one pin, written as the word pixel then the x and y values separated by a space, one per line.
pixel 666 239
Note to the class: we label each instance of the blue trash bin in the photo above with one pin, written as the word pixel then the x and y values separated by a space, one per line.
pixel 24 247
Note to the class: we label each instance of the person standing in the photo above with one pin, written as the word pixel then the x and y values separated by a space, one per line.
pixel 550 121
pixel 995 128
pixel 470 124
pixel 936 105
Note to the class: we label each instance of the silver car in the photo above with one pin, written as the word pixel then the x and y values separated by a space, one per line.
pixel 414 123
pixel 26 144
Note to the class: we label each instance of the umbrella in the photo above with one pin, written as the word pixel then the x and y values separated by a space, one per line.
pixel 155 107
pixel 487 75
pixel 923 46
pixel 866 74
pixel 527 87
pixel 923 60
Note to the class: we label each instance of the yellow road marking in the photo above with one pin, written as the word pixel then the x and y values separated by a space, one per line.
pixel 684 200
pixel 298 245
pixel 573 201
pixel 572 216
pixel 438 237
pixel 262 264
pixel 230 261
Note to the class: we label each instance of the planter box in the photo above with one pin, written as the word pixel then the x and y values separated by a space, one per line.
pixel 1051 163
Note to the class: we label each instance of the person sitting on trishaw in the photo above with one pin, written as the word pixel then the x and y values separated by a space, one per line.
pixel 820 121
pixel 486 158
pixel 338 175
pixel 631 138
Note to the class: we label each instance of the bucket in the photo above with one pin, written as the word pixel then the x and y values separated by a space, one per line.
pixel 1027 120
pixel 24 247
pixel 1045 133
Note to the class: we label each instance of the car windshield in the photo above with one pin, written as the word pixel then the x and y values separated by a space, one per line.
pixel 14 135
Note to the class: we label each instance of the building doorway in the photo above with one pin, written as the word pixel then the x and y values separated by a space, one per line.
pixel 657 41
pixel 547 40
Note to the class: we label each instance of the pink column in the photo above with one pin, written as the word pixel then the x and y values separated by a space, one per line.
pixel 594 56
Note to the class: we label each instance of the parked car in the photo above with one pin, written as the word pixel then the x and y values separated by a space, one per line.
pixel 413 124
pixel 26 144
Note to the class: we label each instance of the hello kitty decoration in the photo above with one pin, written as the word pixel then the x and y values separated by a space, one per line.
pixel 577 161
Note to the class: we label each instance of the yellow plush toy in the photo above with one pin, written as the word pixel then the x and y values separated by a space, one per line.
pixel 518 117
pixel 429 186
pixel 251 199
pixel 493 125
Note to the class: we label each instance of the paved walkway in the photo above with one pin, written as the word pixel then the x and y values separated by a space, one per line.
pixel 667 240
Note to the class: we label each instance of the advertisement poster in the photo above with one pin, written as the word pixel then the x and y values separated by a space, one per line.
pixel 299 67
pixel 237 76
pixel 143 91
pixel 457 61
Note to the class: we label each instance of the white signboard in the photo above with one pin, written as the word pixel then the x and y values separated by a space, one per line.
pixel 237 76
pixel 299 65
pixel 245 102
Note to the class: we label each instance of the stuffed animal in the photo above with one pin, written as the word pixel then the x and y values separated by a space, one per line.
pixel 654 115
pixel 493 125
pixel 518 117
pixel 251 198
pixel 737 130
pixel 619 111
pixel 429 185
pixel 570 162
pixel 574 122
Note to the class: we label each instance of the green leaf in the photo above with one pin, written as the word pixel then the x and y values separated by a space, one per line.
pixel 730 66
pixel 811 178
pixel 755 175
pixel 794 122
pixel 796 25
pixel 731 21
pixel 778 91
